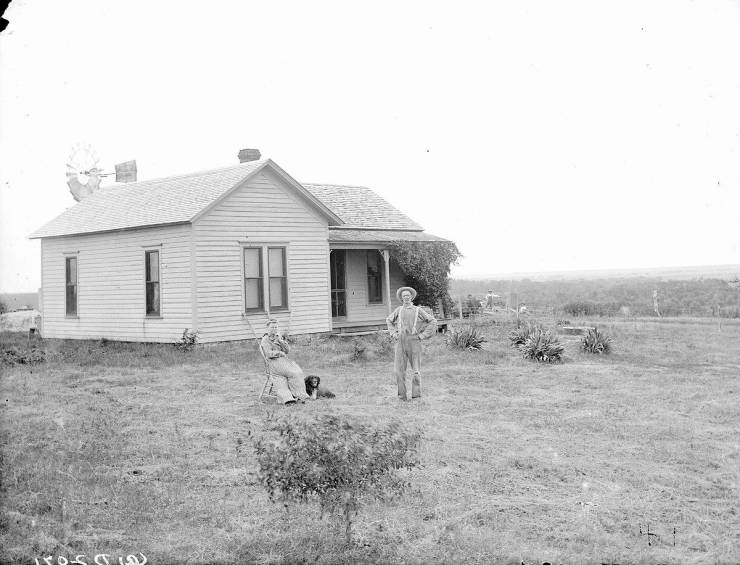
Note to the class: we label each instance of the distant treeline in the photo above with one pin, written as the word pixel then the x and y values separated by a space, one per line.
pixel 608 297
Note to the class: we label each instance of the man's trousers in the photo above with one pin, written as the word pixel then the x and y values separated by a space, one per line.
pixel 408 350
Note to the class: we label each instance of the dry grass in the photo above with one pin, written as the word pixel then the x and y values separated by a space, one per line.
pixel 119 448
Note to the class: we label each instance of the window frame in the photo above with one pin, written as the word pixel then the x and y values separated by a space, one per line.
pixel 67 284
pixel 334 274
pixel 380 277
pixel 264 247
pixel 260 279
pixel 148 282
pixel 283 277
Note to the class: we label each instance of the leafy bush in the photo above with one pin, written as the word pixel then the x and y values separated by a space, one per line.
pixel 335 460
pixel 596 342
pixel 188 341
pixel 469 338
pixel 15 356
pixel 426 267
pixel 542 345
pixel 3 307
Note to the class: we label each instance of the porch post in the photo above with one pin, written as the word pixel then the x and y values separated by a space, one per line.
pixel 387 271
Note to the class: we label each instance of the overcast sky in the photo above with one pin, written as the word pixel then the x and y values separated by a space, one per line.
pixel 536 135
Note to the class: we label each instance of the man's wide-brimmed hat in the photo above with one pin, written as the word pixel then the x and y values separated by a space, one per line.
pixel 400 290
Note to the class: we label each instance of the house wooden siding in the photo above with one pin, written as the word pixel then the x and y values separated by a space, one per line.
pixel 200 224
pixel 262 211
pixel 358 307
pixel 111 301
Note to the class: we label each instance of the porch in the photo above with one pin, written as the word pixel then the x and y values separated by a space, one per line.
pixel 354 328
pixel 364 280
pixel 364 277
pixel 363 283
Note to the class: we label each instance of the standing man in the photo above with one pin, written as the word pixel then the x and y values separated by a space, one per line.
pixel 489 300
pixel 409 325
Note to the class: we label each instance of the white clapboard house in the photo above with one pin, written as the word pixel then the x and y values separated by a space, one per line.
pixel 219 252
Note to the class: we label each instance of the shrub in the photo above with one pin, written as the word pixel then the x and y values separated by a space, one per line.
pixel 385 344
pixel 542 345
pixel 581 308
pixel 359 351
pixel 335 460
pixel 188 340
pixel 468 338
pixel 426 267
pixel 596 342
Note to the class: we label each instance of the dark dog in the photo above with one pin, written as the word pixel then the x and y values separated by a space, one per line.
pixel 315 390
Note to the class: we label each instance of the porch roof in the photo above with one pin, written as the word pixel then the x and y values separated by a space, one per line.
pixel 379 236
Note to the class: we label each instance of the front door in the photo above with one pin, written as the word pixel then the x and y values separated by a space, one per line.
pixel 337 263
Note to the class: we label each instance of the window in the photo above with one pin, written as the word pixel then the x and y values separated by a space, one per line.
pixel 70 267
pixel 337 262
pixel 265 278
pixel 278 278
pixel 374 277
pixel 151 260
pixel 253 279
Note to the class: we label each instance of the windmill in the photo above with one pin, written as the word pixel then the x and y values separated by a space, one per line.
pixel 84 174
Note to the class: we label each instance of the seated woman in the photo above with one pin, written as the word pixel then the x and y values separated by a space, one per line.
pixel 275 349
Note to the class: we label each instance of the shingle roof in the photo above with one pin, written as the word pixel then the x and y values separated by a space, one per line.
pixel 180 199
pixel 360 207
pixel 168 200
pixel 379 236
pixel 153 202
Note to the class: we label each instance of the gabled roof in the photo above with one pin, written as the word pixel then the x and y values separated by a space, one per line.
pixel 360 207
pixel 184 198
pixel 164 201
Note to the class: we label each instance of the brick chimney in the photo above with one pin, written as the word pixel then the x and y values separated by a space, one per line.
pixel 246 155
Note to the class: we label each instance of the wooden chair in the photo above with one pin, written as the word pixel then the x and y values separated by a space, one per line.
pixel 268 388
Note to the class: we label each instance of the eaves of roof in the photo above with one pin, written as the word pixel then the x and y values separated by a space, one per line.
pixel 348 235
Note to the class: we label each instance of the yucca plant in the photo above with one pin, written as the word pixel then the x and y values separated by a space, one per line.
pixel 468 338
pixel 542 345
pixel 596 342
pixel 519 335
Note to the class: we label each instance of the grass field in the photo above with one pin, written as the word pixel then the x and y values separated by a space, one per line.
pixel 121 448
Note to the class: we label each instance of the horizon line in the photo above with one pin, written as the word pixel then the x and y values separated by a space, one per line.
pixel 506 274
